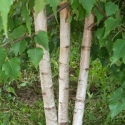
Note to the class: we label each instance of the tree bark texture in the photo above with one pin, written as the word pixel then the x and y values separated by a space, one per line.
pixel 83 75
pixel 45 74
pixel 64 66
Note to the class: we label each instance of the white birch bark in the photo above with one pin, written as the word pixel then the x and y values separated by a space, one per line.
pixel 45 75
pixel 64 66
pixel 83 75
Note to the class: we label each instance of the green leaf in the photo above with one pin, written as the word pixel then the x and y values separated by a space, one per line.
pixel 3 75
pixel 117 102
pixel 71 1
pixel 3 55
pixel 99 35
pixel 11 90
pixel 110 24
pixel 119 50
pixel 39 6
pixel 88 4
pixel 19 47
pixel 1 26
pixel 4 10
pixel 123 85
pixel 75 5
pixel 110 8
pixel 25 13
pixel 53 4
pixel 12 67
pixel 14 22
pixel 18 32
pixel 123 35
pixel 116 107
pixel 109 45
pixel 81 13
pixel 103 1
pixel 31 4
pixel 98 15
pixel 117 95
pixel 42 39
pixel 35 56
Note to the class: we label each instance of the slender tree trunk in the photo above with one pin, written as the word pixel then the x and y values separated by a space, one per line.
pixel 83 75
pixel 45 75
pixel 64 66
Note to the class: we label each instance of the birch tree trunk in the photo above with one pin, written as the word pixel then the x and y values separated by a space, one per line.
pixel 83 75
pixel 64 66
pixel 45 75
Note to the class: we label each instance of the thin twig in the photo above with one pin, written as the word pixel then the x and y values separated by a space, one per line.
pixel 17 40
pixel 65 5
pixel 95 24
pixel 101 11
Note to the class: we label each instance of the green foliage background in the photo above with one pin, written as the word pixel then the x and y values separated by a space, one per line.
pixel 18 39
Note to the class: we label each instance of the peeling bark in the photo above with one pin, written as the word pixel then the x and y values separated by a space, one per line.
pixel 45 75
pixel 83 75
pixel 64 66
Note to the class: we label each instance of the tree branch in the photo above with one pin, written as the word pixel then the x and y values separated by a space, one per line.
pixel 101 11
pixel 63 6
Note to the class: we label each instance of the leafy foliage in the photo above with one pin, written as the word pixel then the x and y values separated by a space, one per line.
pixel 117 102
pixel 18 32
pixel 98 15
pixel 86 6
pixel 4 10
pixel 109 6
pixel 3 55
pixel 119 50
pixel 11 67
pixel 25 13
pixel 54 5
pixel 110 24
pixel 19 47
pixel 35 55
pixel 39 5
pixel 17 38
pixel 42 39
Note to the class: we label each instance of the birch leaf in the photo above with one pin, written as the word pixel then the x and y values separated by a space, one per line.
pixel 109 6
pixel 1 26
pixel 119 50
pixel 117 102
pixel 71 1
pixel 3 55
pixel 39 6
pixel 87 4
pixel 99 35
pixel 19 47
pixel 35 56
pixel 18 32
pixel 11 67
pixel 117 95
pixel 42 39
pixel 53 4
pixel 4 10
pixel 98 15
pixel 25 14
pixel 110 24
pixel 3 75
pixel 116 107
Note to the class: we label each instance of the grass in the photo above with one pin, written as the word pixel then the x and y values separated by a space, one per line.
pixel 26 107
